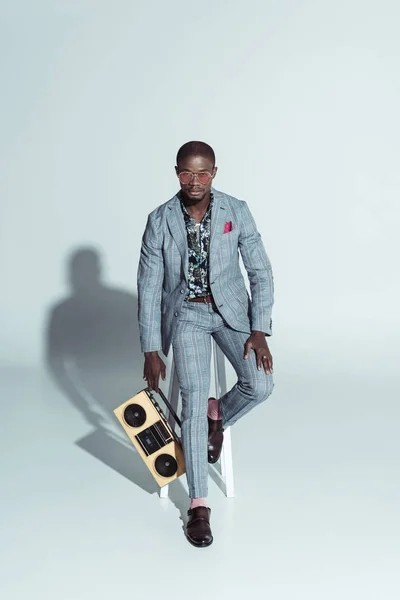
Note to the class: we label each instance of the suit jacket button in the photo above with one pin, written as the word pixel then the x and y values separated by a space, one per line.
pixel 182 291
pixel 176 314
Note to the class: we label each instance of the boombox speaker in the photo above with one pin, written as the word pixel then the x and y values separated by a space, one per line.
pixel 153 437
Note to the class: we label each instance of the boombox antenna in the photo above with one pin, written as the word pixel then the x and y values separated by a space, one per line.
pixel 169 406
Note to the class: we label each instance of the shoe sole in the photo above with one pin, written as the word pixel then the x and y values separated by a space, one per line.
pixel 201 545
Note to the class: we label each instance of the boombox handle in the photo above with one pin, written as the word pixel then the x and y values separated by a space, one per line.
pixel 168 405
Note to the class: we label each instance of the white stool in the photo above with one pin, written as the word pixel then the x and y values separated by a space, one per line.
pixel 220 389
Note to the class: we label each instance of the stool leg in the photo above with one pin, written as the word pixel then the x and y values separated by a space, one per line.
pixel 174 392
pixel 226 453
pixel 227 464
pixel 164 491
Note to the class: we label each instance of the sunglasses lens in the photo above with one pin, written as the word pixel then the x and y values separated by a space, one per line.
pixel 185 177
pixel 203 178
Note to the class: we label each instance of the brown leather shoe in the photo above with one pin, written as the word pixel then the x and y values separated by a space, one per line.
pixel 198 530
pixel 215 438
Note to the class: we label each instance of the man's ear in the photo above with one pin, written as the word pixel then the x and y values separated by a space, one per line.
pixel 176 170
pixel 215 169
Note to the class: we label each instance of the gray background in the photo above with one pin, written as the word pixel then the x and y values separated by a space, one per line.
pixel 300 101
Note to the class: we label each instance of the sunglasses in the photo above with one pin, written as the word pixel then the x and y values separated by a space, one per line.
pixel 186 177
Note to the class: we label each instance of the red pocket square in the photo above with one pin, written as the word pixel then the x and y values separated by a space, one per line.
pixel 228 227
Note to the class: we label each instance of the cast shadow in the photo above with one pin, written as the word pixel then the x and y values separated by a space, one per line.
pixel 93 354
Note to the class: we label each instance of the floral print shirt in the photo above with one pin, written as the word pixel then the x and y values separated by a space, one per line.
pixel 198 238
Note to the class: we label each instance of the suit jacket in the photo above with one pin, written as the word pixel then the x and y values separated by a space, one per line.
pixel 163 268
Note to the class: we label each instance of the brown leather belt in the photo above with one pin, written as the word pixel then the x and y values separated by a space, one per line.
pixel 204 299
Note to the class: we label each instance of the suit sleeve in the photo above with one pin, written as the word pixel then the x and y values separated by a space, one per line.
pixel 259 272
pixel 149 284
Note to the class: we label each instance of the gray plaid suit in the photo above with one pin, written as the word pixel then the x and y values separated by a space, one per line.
pixel 165 319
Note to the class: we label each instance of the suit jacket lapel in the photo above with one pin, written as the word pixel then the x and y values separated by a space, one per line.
pixel 218 218
pixel 176 225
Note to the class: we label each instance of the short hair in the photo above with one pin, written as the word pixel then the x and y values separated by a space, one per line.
pixel 195 149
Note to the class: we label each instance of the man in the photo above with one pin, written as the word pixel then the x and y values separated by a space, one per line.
pixel 190 288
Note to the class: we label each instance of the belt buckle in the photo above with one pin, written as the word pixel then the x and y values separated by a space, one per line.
pixel 205 300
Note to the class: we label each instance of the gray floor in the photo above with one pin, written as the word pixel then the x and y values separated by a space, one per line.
pixel 316 512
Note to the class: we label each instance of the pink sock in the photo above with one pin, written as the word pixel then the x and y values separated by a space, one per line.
pixel 195 502
pixel 213 409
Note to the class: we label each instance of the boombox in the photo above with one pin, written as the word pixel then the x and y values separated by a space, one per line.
pixel 152 435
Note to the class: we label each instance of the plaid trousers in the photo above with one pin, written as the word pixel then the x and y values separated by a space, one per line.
pixel 191 344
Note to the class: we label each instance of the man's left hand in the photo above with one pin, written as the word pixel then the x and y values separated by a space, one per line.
pixel 258 343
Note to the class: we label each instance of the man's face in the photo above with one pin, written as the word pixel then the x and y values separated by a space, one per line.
pixel 196 175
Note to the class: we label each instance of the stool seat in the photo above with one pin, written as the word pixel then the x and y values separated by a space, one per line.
pixel 225 460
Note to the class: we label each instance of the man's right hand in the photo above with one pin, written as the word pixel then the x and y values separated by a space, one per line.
pixel 153 368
